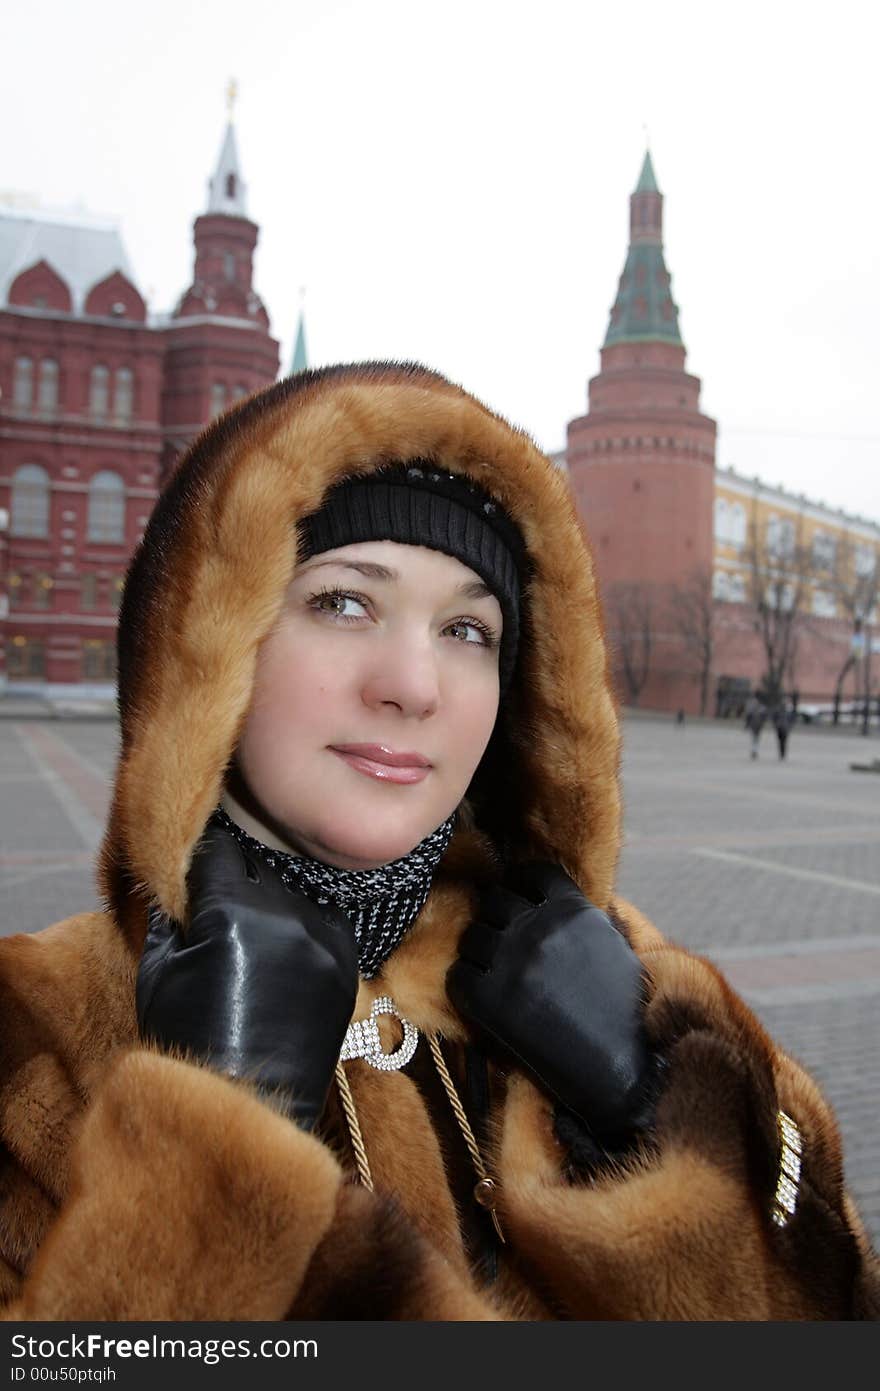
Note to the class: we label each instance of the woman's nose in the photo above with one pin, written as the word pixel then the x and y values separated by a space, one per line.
pixel 405 674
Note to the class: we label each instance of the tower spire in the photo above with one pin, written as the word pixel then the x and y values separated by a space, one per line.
pixel 647 179
pixel 644 310
pixel 300 360
pixel 227 191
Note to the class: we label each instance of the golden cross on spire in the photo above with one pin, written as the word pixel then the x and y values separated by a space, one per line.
pixel 231 94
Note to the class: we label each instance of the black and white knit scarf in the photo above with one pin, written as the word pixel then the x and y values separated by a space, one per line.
pixel 382 903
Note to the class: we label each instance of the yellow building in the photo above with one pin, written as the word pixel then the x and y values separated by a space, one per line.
pixel 831 553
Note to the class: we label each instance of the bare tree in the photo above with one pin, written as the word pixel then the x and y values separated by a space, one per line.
pixel 780 572
pixel 854 579
pixel 866 669
pixel 630 609
pixel 693 611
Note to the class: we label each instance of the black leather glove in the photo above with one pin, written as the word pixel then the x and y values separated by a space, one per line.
pixel 262 984
pixel 546 975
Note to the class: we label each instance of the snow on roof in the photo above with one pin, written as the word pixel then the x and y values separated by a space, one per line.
pixel 83 249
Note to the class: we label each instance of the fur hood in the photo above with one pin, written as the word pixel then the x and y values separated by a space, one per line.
pixel 207 582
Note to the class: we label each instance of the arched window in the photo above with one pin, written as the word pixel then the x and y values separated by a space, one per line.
pixel 218 398
pixel 99 392
pixel 824 604
pixel 239 392
pixel 229 265
pixel 106 507
pixel 781 538
pixel 824 550
pixel 25 657
pixel 123 398
pixel 23 382
pixel 779 596
pixel 736 589
pixel 230 185
pixel 47 392
pixel 721 522
pixel 737 526
pixel 99 660
pixel 30 501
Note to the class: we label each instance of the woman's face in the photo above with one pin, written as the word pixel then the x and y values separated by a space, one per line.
pixel 381 644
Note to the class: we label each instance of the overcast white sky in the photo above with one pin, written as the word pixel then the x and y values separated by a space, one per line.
pixel 450 183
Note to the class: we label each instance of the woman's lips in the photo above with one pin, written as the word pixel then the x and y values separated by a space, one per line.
pixel 383 771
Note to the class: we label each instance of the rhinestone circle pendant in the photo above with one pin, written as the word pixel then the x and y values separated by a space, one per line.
pixel 362 1039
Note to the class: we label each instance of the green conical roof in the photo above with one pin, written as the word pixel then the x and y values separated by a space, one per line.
pixel 647 179
pixel 300 359
pixel 644 311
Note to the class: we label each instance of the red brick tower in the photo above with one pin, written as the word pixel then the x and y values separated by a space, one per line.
pixel 218 345
pixel 642 461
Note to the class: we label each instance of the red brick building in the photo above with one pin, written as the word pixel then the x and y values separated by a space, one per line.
pixel 97 399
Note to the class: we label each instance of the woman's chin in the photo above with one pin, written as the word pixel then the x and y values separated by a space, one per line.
pixel 368 848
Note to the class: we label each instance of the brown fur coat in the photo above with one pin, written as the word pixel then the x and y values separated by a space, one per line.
pixel 138 1186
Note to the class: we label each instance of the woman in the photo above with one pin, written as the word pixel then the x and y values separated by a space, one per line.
pixel 355 1043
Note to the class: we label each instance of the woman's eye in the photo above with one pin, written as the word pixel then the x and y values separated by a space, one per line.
pixel 485 634
pixel 339 597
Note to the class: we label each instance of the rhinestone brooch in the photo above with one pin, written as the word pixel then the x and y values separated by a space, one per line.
pixel 362 1039
pixel 785 1198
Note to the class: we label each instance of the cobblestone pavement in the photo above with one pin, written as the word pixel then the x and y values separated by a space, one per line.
pixel 771 869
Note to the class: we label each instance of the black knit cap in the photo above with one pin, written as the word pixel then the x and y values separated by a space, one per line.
pixel 417 504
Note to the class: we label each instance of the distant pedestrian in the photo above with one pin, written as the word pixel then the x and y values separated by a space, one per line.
pixel 783 719
pixel 679 718
pixel 756 714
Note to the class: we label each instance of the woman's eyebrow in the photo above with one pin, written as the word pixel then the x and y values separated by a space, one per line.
pixel 470 589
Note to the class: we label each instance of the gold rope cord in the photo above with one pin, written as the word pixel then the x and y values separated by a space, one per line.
pixel 354 1129
pixel 455 1103
pixel 485 1183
